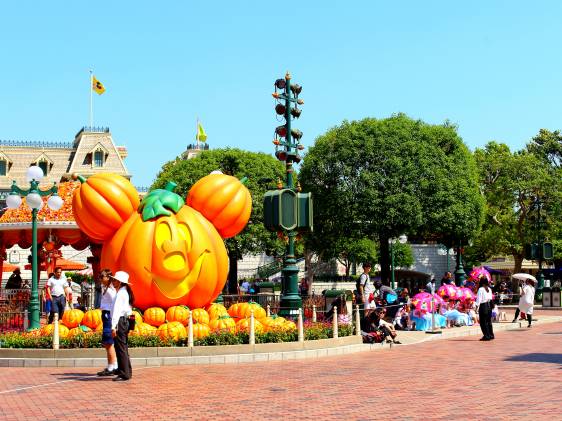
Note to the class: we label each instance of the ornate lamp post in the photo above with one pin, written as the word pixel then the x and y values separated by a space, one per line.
pixel 460 274
pixel 286 210
pixel 402 240
pixel 35 203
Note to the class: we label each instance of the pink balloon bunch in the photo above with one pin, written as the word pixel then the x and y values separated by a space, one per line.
pixel 448 291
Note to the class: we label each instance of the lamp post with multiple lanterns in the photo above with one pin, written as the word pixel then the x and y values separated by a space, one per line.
pixel 286 210
pixel 33 198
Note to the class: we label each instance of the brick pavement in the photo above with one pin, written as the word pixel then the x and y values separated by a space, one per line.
pixel 516 376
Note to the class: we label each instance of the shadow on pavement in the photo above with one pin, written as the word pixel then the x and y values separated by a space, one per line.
pixel 81 377
pixel 536 357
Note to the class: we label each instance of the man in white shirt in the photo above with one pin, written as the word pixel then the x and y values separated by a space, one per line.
pixel 56 284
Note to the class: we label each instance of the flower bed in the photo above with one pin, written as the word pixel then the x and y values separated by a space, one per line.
pixel 312 331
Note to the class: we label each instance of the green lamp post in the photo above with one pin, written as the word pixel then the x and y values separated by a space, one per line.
pixel 460 274
pixel 402 240
pixel 35 202
pixel 287 210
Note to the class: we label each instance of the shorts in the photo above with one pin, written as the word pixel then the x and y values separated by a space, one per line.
pixel 106 337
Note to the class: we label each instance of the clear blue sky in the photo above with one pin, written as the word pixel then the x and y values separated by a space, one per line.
pixel 492 67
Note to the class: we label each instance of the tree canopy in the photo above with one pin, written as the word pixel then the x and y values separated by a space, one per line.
pixel 380 178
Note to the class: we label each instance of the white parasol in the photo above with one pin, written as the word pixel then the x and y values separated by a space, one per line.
pixel 524 277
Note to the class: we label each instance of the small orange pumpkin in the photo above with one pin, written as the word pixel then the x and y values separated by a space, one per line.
pixel 154 316
pixel 243 325
pixel 72 318
pixel 200 331
pixel 78 331
pixel 229 210
pixel 223 324
pixel 172 330
pixel 273 323
pixel 103 203
pixel 178 314
pixel 200 315
pixel 47 330
pixel 138 317
pixel 233 309
pixel 215 310
pixel 244 310
pixel 143 329
pixel 92 318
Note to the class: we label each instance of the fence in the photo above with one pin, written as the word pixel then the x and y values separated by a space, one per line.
pixel 13 304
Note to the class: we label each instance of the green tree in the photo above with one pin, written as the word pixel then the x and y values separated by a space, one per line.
pixel 262 171
pixel 379 179
pixel 511 182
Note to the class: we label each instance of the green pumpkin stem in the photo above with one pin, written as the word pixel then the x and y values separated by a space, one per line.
pixel 80 178
pixel 244 180
pixel 161 202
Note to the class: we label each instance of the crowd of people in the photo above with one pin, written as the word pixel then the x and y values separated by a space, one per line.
pixel 386 311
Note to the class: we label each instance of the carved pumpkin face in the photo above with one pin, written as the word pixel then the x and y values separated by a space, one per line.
pixel 182 259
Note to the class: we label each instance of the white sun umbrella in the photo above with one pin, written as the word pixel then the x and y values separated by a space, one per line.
pixel 524 277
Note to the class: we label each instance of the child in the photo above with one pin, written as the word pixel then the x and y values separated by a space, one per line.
pixel 495 313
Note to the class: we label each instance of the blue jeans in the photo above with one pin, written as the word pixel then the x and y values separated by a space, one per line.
pixel 59 303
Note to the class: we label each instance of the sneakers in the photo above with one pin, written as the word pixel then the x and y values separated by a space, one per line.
pixel 105 372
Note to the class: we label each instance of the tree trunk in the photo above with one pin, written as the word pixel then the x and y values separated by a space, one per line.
pixel 385 260
pixel 232 274
pixel 518 258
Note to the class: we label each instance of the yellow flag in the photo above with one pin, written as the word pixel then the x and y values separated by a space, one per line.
pixel 97 86
pixel 201 135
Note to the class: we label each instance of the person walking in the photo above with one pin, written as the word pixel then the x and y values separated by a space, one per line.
pixel 484 305
pixel 56 285
pixel 526 301
pixel 122 308
pixel 106 303
pixel 365 290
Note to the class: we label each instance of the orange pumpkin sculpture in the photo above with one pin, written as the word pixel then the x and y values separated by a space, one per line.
pixel 178 314
pixel 172 252
pixel 201 331
pixel 109 194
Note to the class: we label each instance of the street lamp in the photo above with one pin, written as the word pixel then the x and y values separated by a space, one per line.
pixel 35 203
pixel 402 240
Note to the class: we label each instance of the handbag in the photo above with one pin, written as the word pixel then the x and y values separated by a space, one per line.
pixel 132 322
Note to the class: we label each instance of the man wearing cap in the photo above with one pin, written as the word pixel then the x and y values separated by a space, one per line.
pixel 122 308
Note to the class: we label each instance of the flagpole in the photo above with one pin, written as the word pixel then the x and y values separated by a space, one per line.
pixel 91 99
pixel 197 132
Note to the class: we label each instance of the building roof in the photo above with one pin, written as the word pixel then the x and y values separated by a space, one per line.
pixel 62 158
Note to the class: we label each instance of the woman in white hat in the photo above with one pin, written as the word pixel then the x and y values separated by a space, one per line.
pixel 526 301
pixel 122 308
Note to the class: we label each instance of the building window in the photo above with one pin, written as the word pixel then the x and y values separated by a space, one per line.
pixel 3 167
pixel 44 165
pixel 98 158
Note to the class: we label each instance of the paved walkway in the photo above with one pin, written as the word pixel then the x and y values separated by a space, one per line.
pixel 516 376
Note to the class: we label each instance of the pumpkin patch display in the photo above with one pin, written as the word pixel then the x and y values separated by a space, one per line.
pixel 174 254
pixel 172 330
pixel 223 324
pixel 215 310
pixel 92 318
pixel 178 314
pixel 200 315
pixel 154 316
pixel 201 331
pixel 72 318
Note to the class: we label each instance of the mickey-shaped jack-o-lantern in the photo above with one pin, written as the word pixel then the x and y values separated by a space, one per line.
pixel 173 254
